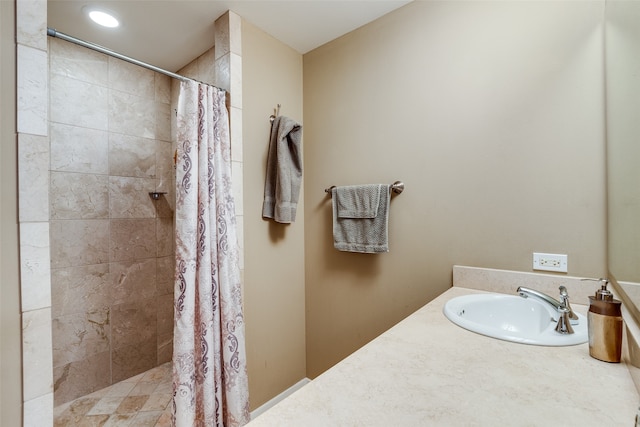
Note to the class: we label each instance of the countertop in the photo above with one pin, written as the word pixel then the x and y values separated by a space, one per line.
pixel 426 371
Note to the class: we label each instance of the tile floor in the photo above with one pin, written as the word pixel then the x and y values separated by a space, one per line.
pixel 140 401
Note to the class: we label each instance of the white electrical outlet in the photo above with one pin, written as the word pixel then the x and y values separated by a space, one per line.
pixel 550 262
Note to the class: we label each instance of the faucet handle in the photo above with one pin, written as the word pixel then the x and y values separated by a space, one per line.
pixel 564 300
pixel 564 296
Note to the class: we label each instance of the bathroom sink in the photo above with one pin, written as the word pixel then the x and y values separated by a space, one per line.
pixel 513 318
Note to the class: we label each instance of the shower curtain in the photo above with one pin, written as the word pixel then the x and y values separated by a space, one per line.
pixel 209 366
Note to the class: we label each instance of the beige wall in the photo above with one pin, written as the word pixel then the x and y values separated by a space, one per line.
pixel 10 356
pixel 274 254
pixel 492 115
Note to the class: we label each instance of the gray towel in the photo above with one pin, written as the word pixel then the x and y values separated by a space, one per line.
pixel 284 171
pixel 361 218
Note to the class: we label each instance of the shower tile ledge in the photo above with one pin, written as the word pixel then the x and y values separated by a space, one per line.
pixel 428 371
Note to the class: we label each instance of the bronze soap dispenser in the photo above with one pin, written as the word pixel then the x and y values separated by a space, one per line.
pixel 604 321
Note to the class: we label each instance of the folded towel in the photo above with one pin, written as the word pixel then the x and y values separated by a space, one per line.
pixel 361 218
pixel 358 201
pixel 284 171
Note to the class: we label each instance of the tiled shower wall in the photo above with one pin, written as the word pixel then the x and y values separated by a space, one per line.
pixel 111 244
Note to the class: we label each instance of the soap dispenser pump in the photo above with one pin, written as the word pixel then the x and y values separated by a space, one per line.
pixel 604 321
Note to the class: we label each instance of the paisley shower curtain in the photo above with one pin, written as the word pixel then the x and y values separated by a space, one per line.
pixel 209 365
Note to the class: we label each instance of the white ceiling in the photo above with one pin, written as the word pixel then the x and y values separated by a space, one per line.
pixel 170 34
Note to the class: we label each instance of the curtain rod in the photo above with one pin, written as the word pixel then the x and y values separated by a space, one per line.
pixel 53 33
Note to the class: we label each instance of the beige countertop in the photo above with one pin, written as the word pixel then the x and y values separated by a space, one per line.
pixel 426 371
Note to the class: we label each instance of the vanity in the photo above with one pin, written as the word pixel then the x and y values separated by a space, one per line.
pixel 427 371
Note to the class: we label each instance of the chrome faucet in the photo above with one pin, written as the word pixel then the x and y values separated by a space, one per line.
pixel 566 315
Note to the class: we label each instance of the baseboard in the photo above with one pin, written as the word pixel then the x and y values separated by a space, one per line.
pixel 258 411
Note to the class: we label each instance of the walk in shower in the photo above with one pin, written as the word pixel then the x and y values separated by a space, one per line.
pixel 112 203
pixel 111 243
pixel 86 235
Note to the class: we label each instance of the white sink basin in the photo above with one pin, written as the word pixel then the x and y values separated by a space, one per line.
pixel 513 318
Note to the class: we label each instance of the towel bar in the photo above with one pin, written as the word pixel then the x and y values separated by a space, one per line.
pixel 397 187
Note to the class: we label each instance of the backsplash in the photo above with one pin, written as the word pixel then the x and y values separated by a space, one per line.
pixel 631 347
pixel 506 281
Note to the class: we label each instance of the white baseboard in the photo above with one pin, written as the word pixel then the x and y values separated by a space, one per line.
pixel 278 398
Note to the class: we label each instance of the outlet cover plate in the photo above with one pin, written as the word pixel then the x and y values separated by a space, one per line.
pixel 550 262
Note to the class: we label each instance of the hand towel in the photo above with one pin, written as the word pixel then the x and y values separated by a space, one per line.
pixel 284 171
pixel 361 218
pixel 358 201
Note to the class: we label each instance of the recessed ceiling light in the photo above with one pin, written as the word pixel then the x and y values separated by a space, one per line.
pixel 103 18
